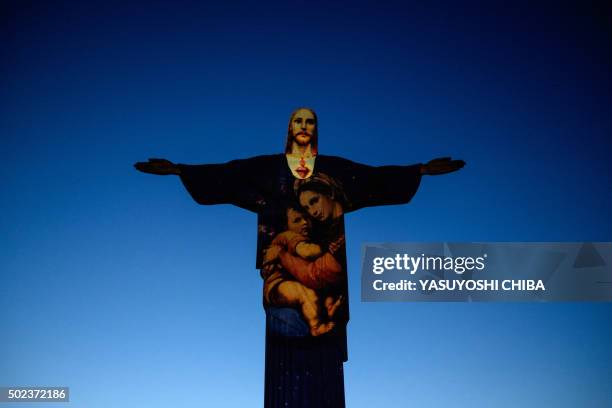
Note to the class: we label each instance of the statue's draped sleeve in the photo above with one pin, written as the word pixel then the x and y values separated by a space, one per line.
pixel 369 186
pixel 236 182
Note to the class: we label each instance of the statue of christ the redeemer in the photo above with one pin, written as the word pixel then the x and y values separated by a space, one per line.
pixel 300 198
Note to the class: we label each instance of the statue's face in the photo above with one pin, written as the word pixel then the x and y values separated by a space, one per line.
pixel 297 222
pixel 303 127
pixel 319 206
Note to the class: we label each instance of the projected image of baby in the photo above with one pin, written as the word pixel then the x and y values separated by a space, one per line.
pixel 281 289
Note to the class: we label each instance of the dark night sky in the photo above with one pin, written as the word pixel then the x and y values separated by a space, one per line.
pixel 116 284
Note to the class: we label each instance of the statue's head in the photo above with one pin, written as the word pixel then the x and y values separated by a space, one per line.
pixel 302 130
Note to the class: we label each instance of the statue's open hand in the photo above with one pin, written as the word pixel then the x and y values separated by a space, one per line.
pixel 441 165
pixel 160 167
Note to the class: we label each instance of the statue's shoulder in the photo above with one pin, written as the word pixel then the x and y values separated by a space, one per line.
pixel 270 157
pixel 333 160
pixel 262 159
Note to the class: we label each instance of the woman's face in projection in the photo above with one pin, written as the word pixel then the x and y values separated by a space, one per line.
pixel 319 206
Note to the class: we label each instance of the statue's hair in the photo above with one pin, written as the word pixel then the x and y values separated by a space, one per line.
pixel 314 141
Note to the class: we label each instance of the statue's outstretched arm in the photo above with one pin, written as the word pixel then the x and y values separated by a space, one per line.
pixel 441 165
pixel 161 167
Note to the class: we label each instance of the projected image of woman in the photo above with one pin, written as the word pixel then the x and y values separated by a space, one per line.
pixel 318 268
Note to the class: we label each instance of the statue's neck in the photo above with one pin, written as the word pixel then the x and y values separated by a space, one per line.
pixel 301 151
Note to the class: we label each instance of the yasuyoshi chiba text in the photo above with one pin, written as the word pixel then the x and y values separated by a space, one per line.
pixel 461 285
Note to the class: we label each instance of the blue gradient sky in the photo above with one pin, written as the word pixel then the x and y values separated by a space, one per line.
pixel 116 284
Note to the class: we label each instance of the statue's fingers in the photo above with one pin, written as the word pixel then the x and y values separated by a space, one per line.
pixel 452 166
pixel 442 159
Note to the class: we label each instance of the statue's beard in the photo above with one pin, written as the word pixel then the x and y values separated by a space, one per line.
pixel 301 142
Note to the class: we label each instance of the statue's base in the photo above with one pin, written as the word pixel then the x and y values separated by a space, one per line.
pixel 301 371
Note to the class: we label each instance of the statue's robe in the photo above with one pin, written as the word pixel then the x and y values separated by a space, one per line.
pixel 301 370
